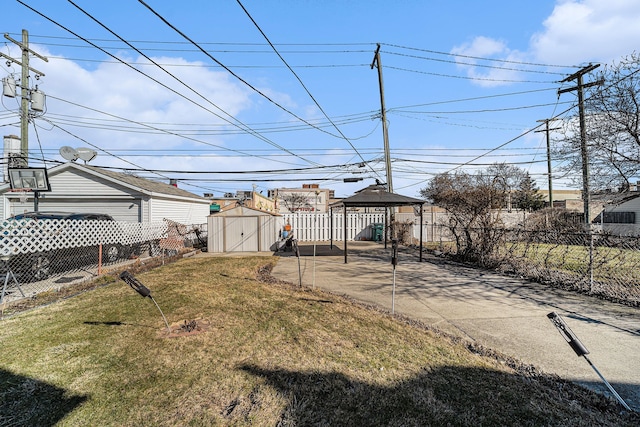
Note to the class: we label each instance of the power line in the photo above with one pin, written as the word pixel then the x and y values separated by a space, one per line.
pixel 486 110
pixel 158 129
pixel 300 80
pixel 156 81
pixel 182 34
pixel 487 79
pixel 472 64
pixel 244 127
pixel 366 48
pixel 504 61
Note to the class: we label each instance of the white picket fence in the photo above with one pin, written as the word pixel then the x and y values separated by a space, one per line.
pixel 309 227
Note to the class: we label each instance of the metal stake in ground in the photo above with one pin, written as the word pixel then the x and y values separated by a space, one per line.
pixel 9 274
pixel 296 249
pixel 142 290
pixel 394 262
pixel 581 351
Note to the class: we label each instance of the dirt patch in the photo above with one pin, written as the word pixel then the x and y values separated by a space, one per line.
pixel 264 276
pixel 185 329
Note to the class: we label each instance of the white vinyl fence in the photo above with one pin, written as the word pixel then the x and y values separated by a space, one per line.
pixel 309 227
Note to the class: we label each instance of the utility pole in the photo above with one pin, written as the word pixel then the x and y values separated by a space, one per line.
pixel 385 133
pixel 25 92
pixel 583 131
pixel 547 129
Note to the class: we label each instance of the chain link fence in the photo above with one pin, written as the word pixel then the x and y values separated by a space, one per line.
pixel 590 262
pixel 44 255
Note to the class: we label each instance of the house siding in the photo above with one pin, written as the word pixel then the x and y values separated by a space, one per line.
pixel 75 188
pixel 179 211
pixel 74 182
pixel 632 205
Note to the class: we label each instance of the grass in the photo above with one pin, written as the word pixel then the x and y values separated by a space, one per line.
pixel 268 354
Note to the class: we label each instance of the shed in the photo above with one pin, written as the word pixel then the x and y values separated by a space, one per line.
pixel 376 196
pixel 243 229
pixel 82 188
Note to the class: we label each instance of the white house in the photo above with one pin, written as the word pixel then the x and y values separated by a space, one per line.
pixel 83 188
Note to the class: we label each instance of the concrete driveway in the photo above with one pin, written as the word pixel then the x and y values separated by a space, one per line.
pixel 503 313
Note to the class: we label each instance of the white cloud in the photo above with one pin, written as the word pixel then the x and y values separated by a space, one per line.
pixel 578 32
pixel 120 91
pixel 485 47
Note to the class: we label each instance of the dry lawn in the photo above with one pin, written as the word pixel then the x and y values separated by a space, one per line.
pixel 266 354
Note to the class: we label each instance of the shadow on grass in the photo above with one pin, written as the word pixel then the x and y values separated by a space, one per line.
pixel 444 396
pixel 26 401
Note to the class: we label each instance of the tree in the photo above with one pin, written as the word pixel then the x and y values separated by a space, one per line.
pixel 508 178
pixel 527 196
pixel 612 127
pixel 469 200
pixel 294 201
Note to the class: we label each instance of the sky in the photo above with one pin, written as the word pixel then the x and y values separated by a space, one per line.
pixel 234 95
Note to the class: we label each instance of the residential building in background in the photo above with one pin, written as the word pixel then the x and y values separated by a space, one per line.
pixel 251 199
pixel 310 198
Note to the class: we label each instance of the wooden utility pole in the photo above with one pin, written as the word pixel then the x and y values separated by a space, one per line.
pixel 385 133
pixel 25 92
pixel 586 196
pixel 547 129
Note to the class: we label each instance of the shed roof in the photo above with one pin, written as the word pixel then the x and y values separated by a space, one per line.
pixel 377 196
pixel 244 211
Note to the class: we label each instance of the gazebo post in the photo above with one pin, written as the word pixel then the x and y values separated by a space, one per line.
pixel 421 215
pixel 331 229
pixel 344 211
pixel 386 225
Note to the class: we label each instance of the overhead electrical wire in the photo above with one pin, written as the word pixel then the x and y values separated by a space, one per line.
pixel 162 130
pixel 146 75
pixel 103 61
pixel 505 61
pixel 182 34
pixel 471 111
pixel 241 125
pixel 448 61
pixel 370 44
pixel 95 146
pixel 315 101
pixel 190 128
pixel 533 129
pixel 266 171
pixel 475 78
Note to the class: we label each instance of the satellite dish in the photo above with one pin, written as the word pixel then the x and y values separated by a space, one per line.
pixel 69 153
pixel 86 154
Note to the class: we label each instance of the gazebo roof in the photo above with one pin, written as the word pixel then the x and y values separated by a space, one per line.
pixel 377 196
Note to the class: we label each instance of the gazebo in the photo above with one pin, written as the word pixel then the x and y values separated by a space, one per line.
pixel 375 196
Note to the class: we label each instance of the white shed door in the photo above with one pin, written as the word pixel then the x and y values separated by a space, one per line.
pixel 241 234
